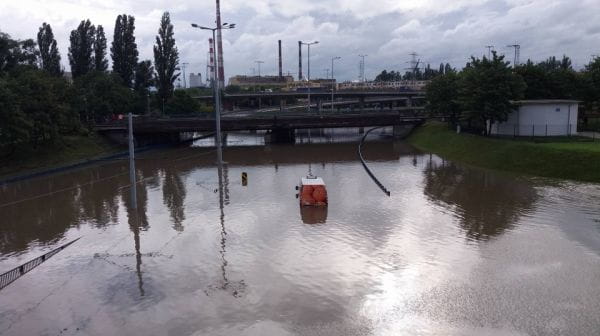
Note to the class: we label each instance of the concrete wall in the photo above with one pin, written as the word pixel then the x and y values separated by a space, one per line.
pixel 544 119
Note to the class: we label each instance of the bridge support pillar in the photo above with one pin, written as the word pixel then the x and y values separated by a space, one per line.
pixel 320 106
pixel 402 131
pixel 361 104
pixel 280 135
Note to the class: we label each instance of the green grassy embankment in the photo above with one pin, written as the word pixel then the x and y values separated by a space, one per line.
pixel 71 150
pixel 564 159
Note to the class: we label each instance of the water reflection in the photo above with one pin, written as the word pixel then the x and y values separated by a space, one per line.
pixel 138 220
pixel 43 209
pixel 486 202
pixel 174 193
pixel 313 214
pixel 235 288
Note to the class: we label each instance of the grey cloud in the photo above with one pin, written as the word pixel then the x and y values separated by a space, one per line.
pixel 386 30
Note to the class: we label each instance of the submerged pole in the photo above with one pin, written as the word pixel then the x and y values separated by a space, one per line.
pixel 132 164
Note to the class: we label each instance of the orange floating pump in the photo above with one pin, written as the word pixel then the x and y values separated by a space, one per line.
pixel 312 191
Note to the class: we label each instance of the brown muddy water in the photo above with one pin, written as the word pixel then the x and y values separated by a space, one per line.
pixel 454 251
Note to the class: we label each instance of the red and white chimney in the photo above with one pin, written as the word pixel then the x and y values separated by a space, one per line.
pixel 211 52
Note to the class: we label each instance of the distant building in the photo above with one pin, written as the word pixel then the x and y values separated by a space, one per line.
pixel 252 81
pixel 196 80
pixel 395 85
pixel 548 117
pixel 322 84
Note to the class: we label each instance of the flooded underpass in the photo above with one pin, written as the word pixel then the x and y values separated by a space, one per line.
pixel 454 250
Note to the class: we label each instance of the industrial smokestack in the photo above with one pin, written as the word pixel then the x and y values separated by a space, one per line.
pixel 280 62
pixel 211 52
pixel 299 60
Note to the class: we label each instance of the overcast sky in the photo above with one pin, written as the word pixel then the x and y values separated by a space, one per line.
pixel 386 30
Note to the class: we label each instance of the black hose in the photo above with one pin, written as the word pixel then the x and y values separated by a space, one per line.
pixel 362 160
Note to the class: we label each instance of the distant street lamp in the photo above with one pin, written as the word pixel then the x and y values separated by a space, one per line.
pixel 333 80
pixel 216 88
pixel 309 44
pixel 259 63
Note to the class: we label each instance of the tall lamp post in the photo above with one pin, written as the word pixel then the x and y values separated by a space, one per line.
pixel 333 80
pixel 259 63
pixel 216 86
pixel 309 44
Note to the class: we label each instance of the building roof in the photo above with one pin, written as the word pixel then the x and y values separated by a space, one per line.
pixel 546 101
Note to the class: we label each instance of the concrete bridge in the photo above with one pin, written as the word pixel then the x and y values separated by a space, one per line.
pixel 351 109
pixel 282 126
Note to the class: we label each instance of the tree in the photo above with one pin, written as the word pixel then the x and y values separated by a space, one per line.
pixel 15 126
pixel 487 88
pixel 14 53
pixel 98 96
pixel 81 51
pixel 166 58
pixel 591 79
pixel 144 74
pixel 43 98
pixel 448 68
pixel 100 61
pixel 124 51
pixel 50 57
pixel 442 95
pixel 182 103
pixel 551 79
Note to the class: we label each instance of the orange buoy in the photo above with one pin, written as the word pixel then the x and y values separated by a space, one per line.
pixel 312 192
pixel 320 194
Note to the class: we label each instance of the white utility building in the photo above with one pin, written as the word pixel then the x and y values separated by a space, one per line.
pixel 547 117
pixel 196 80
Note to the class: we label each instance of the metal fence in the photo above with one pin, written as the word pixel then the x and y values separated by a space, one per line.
pixel 534 130
pixel 17 272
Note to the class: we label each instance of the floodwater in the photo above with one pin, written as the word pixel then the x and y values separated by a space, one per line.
pixel 454 251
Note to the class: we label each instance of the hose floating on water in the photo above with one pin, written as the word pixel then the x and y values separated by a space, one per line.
pixel 362 160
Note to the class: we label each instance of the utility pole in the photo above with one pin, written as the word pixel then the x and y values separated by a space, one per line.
pixel 259 63
pixel 326 73
pixel 217 79
pixel 333 80
pixel 490 48
pixel 219 50
pixel 517 54
pixel 308 76
pixel 183 66
pixel 361 67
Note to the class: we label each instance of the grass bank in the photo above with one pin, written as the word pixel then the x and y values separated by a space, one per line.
pixel 564 160
pixel 71 150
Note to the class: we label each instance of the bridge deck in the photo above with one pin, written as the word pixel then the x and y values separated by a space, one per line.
pixel 171 125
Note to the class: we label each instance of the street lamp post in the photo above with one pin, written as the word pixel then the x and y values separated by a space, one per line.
pixel 216 86
pixel 259 63
pixel 333 80
pixel 309 44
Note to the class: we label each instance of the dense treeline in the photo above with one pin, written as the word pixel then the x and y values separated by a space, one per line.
pixel 427 74
pixel 39 103
pixel 485 89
